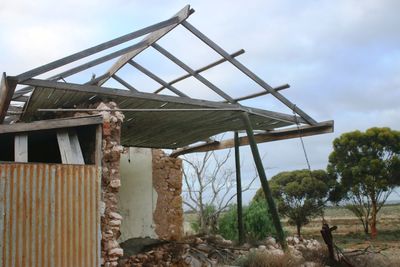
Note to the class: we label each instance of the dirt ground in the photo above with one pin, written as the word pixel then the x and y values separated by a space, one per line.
pixel 350 234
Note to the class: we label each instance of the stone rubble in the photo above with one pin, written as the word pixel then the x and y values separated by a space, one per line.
pixel 210 251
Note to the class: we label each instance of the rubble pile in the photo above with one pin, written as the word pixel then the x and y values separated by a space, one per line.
pixel 210 251
pixel 169 254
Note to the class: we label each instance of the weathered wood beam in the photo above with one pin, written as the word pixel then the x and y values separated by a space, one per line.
pixel 156 78
pixel 15 108
pixel 272 210
pixel 136 47
pixel 137 109
pixel 209 66
pixel 182 15
pixel 7 87
pixel 21 148
pixel 95 49
pixel 99 142
pixel 248 72
pixel 193 73
pixel 20 98
pixel 76 147
pixel 239 190
pixel 69 147
pixel 124 83
pixel 277 135
pixel 50 124
pixel 282 87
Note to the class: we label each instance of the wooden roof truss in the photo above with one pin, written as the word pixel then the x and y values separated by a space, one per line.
pixel 150 101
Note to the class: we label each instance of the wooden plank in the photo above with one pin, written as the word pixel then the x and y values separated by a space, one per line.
pixel 76 147
pixel 282 87
pixel 182 15
pixel 64 145
pixel 124 83
pixel 193 73
pixel 320 128
pixel 21 148
pixel 209 66
pixel 164 110
pixel 7 88
pixel 20 98
pixel 98 152
pixel 248 72
pixel 50 124
pixel 136 47
pixel 156 78
pixel 95 49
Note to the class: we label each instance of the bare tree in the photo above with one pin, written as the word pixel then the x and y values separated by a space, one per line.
pixel 209 187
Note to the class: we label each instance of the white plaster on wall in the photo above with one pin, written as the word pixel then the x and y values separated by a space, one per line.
pixel 137 199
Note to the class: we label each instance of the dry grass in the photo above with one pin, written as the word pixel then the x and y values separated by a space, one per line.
pixel 264 259
pixel 319 256
pixel 374 260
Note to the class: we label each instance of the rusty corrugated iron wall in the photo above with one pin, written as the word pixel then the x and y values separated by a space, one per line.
pixel 49 215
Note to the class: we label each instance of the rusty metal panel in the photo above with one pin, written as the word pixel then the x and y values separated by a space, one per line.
pixel 49 215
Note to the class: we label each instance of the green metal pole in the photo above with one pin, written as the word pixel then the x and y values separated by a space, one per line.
pixel 239 191
pixel 264 181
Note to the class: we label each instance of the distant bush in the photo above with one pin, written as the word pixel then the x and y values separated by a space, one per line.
pixel 227 224
pixel 257 222
pixel 209 220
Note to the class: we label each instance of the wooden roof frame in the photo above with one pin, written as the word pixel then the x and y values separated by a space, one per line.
pixel 126 56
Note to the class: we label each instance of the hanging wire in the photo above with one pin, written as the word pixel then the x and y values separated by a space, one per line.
pixel 301 138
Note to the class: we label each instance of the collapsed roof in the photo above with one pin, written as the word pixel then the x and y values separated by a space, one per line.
pixel 152 119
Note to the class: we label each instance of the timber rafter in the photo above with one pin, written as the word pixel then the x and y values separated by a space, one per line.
pixel 126 56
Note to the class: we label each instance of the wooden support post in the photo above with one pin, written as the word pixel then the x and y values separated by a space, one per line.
pixel 99 140
pixel 239 191
pixel 264 182
pixel 76 147
pixel 21 148
pixel 69 146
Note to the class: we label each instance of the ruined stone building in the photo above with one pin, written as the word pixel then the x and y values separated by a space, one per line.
pixel 81 165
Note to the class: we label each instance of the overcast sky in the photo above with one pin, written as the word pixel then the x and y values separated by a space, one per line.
pixel 341 58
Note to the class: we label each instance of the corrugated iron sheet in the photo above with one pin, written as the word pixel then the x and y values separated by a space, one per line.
pixel 49 215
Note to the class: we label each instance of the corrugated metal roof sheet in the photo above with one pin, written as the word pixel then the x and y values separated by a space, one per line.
pixel 50 215
pixel 156 130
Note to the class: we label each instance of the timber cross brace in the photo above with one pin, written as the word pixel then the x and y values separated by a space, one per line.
pixel 152 119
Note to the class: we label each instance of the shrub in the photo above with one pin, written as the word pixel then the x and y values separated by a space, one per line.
pixel 227 224
pixel 256 219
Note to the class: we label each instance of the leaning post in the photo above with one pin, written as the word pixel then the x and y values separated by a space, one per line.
pixel 239 191
pixel 264 181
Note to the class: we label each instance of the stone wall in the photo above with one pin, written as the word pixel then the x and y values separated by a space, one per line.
pixel 110 218
pixel 167 181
